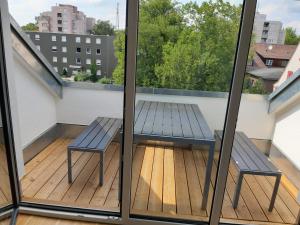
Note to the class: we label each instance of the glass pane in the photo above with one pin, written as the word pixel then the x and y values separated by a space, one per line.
pixel 67 112
pixel 5 189
pixel 263 184
pixel 184 68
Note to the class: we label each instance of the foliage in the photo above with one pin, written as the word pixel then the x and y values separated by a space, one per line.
pixel 81 76
pixel 187 46
pixel 93 77
pixel 291 37
pixel 256 87
pixel 103 28
pixel 30 27
pixel 105 80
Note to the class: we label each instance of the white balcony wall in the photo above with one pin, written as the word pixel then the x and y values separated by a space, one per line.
pixel 287 133
pixel 81 106
pixel 36 107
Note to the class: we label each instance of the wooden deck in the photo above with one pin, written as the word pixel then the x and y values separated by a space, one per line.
pixel 5 195
pixel 166 182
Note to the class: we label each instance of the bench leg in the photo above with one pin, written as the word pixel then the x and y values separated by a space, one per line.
pixel 69 165
pixel 101 171
pixel 208 175
pixel 275 191
pixel 238 190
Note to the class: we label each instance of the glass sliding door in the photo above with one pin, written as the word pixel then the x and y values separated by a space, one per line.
pixel 263 180
pixel 68 99
pixel 185 62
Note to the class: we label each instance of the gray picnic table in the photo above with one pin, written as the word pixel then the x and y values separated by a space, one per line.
pixel 178 123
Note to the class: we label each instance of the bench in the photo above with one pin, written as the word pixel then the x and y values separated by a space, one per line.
pixel 95 138
pixel 250 160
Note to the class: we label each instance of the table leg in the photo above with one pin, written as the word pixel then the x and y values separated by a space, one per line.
pixel 208 175
pixel 275 191
pixel 101 165
pixel 238 190
pixel 69 165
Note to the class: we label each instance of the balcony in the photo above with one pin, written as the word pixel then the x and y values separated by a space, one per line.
pixel 167 179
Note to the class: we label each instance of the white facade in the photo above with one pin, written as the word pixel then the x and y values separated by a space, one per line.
pixel 66 19
pixel 270 32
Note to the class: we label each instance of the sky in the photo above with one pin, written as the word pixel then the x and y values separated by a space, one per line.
pixel 286 11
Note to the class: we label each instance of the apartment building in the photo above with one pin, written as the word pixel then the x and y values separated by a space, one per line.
pixel 71 53
pixel 267 31
pixel 65 19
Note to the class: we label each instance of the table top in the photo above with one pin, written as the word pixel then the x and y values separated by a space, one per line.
pixel 172 120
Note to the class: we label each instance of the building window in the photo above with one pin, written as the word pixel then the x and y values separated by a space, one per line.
pixel 54 59
pixel 54 48
pixel 64 60
pixel 78 40
pixel 88 40
pixel 88 51
pixel 98 41
pixel 37 37
pixel 38 47
pixel 63 38
pixel 269 62
pixel 64 49
pixel 55 68
pixel 53 38
pixel 88 71
pixel 88 61
pixel 59 14
pixel 98 52
pixel 59 21
pixel 78 50
pixel 59 29
pixel 98 62
pixel 99 72
pixel 78 61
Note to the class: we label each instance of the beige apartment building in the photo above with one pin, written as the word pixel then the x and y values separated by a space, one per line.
pixel 66 19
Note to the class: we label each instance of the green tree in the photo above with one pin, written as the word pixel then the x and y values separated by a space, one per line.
pixel 119 46
pixel 30 27
pixel 93 77
pixel 254 87
pixel 202 58
pixel 291 37
pixel 103 28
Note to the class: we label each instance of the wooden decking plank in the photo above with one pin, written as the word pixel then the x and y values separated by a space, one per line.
pixel 79 183
pixel 5 183
pixel 252 204
pixel 136 169
pixel 149 122
pixel 39 182
pixel 242 209
pixel 42 155
pixel 112 200
pixel 263 200
pixel 201 168
pixel 143 189
pixel 280 205
pixel 93 183
pixel 193 184
pixel 56 178
pixel 58 193
pixel 290 202
pixel 109 175
pixel 182 193
pixel 29 178
pixel 169 192
pixel 156 190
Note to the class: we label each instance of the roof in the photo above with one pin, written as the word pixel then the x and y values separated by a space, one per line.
pixel 275 51
pixel 267 73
